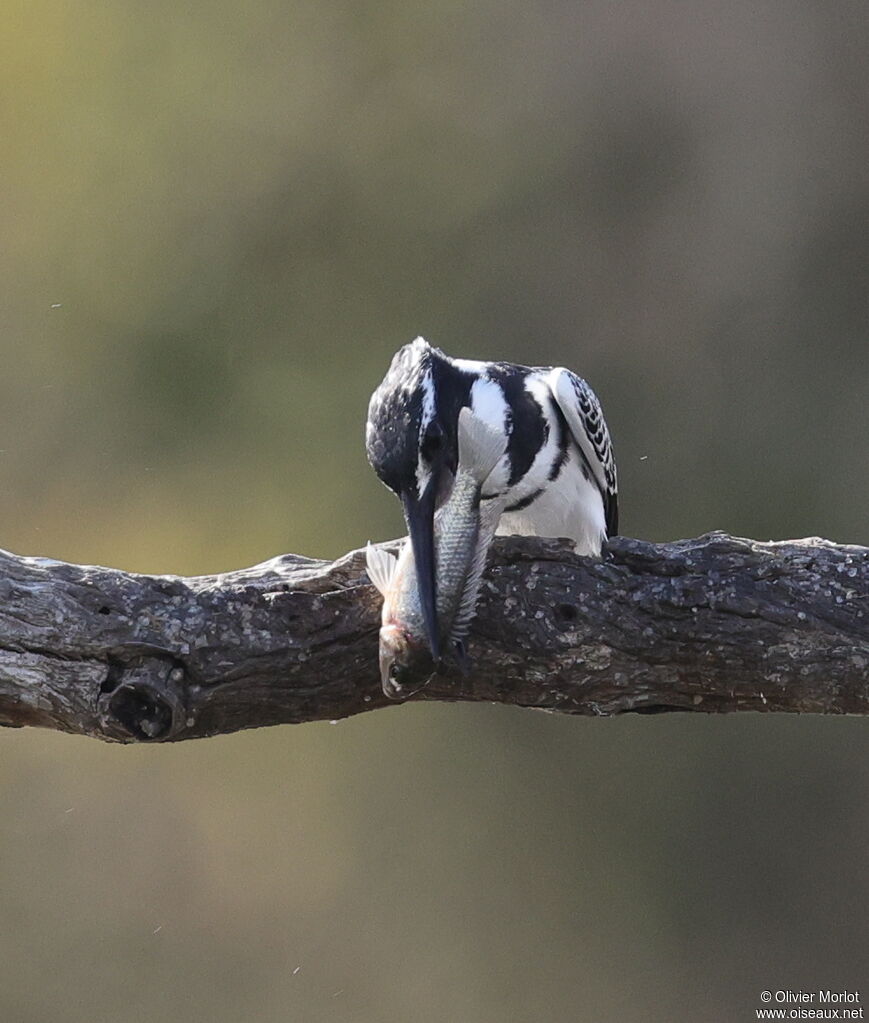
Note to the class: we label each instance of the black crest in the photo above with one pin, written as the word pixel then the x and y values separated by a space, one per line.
pixel 395 415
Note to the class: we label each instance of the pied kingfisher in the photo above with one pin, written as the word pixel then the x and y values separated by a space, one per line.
pixel 557 476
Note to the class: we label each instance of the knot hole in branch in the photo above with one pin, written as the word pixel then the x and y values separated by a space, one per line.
pixel 142 699
pixel 567 614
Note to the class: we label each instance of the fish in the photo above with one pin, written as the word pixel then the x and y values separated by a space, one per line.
pixel 463 530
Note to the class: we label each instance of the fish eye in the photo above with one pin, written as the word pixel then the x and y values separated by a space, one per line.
pixel 401 675
pixel 432 440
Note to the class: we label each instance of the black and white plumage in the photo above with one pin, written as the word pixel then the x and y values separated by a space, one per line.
pixel 557 476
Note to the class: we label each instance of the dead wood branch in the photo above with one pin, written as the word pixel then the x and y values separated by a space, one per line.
pixel 710 624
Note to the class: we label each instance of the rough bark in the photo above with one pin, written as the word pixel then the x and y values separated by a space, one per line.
pixel 710 624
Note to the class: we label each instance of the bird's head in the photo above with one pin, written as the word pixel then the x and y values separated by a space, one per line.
pixel 411 442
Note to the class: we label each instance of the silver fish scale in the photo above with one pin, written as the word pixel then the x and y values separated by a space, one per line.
pixel 462 537
pixel 457 542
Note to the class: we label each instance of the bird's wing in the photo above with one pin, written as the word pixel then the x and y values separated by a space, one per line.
pixel 584 416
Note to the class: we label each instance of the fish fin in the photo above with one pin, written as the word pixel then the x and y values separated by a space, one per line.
pixel 380 565
pixel 471 591
pixel 481 446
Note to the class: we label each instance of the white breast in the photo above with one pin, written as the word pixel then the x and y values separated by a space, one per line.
pixel 570 507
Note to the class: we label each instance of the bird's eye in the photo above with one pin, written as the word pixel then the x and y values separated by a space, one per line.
pixel 432 440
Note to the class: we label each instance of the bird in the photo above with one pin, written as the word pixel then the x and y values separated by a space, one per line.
pixel 557 476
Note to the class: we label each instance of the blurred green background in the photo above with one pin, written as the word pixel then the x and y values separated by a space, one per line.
pixel 218 223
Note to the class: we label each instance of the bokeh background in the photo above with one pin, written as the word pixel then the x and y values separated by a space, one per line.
pixel 218 223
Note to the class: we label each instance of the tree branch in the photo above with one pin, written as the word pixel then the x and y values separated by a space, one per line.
pixel 711 624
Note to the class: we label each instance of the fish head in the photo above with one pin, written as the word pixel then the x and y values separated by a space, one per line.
pixel 406 665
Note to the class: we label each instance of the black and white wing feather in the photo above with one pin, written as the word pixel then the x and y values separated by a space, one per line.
pixel 582 410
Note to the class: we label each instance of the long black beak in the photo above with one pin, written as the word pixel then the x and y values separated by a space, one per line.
pixel 419 513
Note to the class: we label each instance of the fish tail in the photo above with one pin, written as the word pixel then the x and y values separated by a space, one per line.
pixel 481 446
